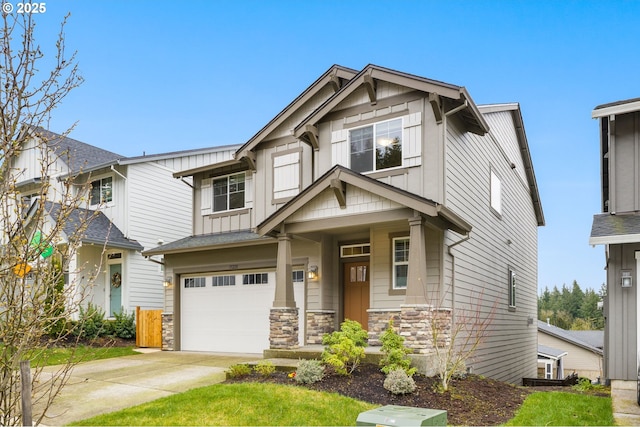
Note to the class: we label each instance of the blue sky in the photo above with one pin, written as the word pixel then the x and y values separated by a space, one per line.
pixel 170 75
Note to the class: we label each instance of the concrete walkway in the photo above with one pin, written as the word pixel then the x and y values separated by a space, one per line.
pixel 109 385
pixel 624 400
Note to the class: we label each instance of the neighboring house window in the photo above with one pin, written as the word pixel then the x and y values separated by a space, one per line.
pixel 496 193
pixel 255 278
pixel 102 191
pixel 223 281
pixel 286 174
pixel 298 276
pixel 376 147
pixel 512 288
pixel 228 193
pixel 194 282
pixel 400 262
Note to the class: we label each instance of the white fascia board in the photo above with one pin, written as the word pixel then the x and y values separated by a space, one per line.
pixel 616 109
pixel 615 240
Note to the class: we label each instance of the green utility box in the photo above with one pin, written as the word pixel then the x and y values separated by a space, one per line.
pixel 392 415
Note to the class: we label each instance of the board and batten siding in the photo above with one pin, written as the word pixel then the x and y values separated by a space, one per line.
pixel 625 162
pixel 497 243
pixel 621 341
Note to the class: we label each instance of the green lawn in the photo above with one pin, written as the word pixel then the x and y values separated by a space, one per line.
pixel 57 356
pixel 257 404
pixel 241 404
pixel 564 409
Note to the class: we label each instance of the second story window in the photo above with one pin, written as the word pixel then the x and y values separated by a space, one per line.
pixel 376 147
pixel 228 193
pixel 102 191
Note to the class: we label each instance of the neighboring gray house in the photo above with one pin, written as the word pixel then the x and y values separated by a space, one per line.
pixel 140 204
pixel 618 229
pixel 375 194
pixel 582 350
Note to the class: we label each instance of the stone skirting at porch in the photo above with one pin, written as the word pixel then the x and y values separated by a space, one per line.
pixel 415 323
pixel 167 332
pixel 283 332
pixel 319 322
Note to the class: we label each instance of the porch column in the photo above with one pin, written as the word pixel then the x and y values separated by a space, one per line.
pixel 283 318
pixel 284 281
pixel 417 271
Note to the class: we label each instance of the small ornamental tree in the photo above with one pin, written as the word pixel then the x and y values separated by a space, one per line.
pixel 396 355
pixel 345 348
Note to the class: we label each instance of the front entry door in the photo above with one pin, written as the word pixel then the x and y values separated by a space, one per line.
pixel 115 291
pixel 356 292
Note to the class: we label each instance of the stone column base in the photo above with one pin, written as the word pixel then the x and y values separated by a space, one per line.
pixel 319 322
pixel 283 332
pixel 379 322
pixel 418 323
pixel 167 332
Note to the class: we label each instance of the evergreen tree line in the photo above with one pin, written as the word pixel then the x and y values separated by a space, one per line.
pixel 571 307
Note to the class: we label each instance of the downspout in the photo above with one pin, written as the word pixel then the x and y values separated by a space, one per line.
pixel 453 274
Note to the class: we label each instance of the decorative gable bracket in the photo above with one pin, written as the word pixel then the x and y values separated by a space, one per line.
pixel 434 100
pixel 370 85
pixel 309 134
pixel 340 190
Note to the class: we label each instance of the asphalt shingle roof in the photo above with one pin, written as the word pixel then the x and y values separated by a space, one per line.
pixel 100 229
pixel 206 241
pixel 572 337
pixel 606 224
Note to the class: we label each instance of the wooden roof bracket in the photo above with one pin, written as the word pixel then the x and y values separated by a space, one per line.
pixel 309 133
pixel 370 85
pixel 340 191
pixel 434 100
pixel 335 82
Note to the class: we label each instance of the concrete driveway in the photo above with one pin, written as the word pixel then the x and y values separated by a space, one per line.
pixel 108 385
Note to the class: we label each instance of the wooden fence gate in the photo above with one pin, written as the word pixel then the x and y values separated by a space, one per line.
pixel 148 328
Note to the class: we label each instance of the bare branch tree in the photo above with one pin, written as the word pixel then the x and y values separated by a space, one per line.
pixel 42 223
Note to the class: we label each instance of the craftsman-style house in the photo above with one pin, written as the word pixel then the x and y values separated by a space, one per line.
pixel 617 227
pixel 375 194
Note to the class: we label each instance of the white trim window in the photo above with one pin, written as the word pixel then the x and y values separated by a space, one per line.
pixel 102 191
pixel 228 192
pixel 297 276
pixel 385 138
pixel 496 193
pixel 400 262
pixel 512 289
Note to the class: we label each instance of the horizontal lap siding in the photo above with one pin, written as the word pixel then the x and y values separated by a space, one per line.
pixel 482 262
pixel 159 209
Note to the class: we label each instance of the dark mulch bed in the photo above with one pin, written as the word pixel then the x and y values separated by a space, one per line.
pixel 473 400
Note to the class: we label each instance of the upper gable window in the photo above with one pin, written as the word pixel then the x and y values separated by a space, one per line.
pixel 228 193
pixel 384 138
pixel 102 191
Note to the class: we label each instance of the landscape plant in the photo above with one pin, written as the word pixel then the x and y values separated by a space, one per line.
pixel 396 355
pixel 398 381
pixel 309 371
pixel 124 325
pixel 265 368
pixel 344 349
pixel 238 370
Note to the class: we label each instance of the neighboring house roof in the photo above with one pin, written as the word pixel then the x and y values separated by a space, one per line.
pixel 338 176
pixel 75 154
pixel 550 352
pixel 617 107
pixel 614 229
pixel 571 337
pixel 210 241
pixel 99 229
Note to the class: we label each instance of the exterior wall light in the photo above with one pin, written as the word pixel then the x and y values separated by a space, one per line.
pixel 626 280
pixel 168 281
pixel 312 272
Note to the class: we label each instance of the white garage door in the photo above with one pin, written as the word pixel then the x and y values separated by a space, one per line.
pixel 229 312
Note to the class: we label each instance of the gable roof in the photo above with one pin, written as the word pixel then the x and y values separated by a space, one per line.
pixel 99 229
pixel 333 75
pixel 210 241
pixel 572 338
pixel 75 154
pixel 340 174
pixel 525 153
pixel 550 352
pixel 470 114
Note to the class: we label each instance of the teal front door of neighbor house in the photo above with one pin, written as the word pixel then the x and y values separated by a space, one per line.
pixel 115 291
